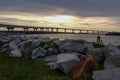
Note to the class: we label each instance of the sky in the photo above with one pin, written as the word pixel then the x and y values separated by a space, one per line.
pixel 79 14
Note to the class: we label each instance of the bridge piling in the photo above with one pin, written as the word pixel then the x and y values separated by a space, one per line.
pixel 65 30
pixel 25 29
pixel 10 28
pixel 73 31
pixel 56 30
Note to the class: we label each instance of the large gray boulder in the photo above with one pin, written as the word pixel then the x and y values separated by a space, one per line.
pixel 38 52
pixel 4 40
pixel 36 42
pixel 73 47
pixel 113 50
pixel 47 39
pixel 26 48
pixel 15 53
pixel 17 40
pixel 12 45
pixel 112 58
pixel 24 38
pixel 90 47
pixel 110 74
pixel 5 48
pixel 65 62
pixel 52 58
pixel 57 41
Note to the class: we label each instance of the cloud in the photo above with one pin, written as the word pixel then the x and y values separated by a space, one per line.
pixel 98 13
pixel 73 7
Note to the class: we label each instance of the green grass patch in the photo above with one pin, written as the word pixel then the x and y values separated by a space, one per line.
pixel 101 62
pixel 50 44
pixel 98 45
pixel 24 69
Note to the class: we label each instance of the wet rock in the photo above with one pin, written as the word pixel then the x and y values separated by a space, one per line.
pixel 12 37
pixel 6 48
pixel 39 52
pixel 51 51
pixel 53 65
pixel 99 54
pixel 65 62
pixel 47 39
pixel 57 41
pixel 26 48
pixel 36 42
pixel 12 45
pixel 52 58
pixel 110 74
pixel 80 56
pixel 113 57
pixel 24 38
pixel 87 65
pixel 4 40
pixel 90 47
pixel 15 53
pixel 17 40
pixel 73 47
pixel 108 64
pixel 113 50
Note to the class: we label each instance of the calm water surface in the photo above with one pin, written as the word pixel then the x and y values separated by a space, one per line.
pixel 88 37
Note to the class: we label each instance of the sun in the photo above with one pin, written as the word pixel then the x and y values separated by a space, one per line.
pixel 59 19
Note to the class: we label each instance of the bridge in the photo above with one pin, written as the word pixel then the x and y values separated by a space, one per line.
pixel 39 30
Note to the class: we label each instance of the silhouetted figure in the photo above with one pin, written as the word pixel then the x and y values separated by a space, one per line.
pixel 98 39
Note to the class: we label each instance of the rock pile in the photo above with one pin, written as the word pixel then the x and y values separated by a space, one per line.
pixel 64 54
pixel 111 65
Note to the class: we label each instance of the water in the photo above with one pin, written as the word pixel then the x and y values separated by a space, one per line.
pixel 88 37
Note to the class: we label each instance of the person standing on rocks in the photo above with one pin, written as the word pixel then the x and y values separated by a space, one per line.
pixel 98 39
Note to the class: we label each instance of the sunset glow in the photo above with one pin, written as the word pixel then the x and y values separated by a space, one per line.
pixel 59 19
pixel 78 14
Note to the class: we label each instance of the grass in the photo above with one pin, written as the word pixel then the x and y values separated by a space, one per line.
pixel 24 69
pixel 101 63
pixel 98 45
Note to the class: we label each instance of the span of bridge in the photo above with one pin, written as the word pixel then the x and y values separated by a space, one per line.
pixel 38 30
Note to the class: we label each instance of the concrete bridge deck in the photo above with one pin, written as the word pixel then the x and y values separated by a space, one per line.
pixel 46 30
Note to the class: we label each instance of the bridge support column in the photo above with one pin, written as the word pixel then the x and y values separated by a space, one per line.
pixel 10 28
pixel 56 30
pixel 65 30
pixel 25 29
pixel 41 29
pixel 87 31
pixel 51 29
pixel 73 31
pixel 47 29
pixel 102 32
pixel 93 32
pixel 98 32
pixel 35 29
pixel 80 31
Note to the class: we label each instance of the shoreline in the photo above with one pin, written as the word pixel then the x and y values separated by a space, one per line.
pixel 92 38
